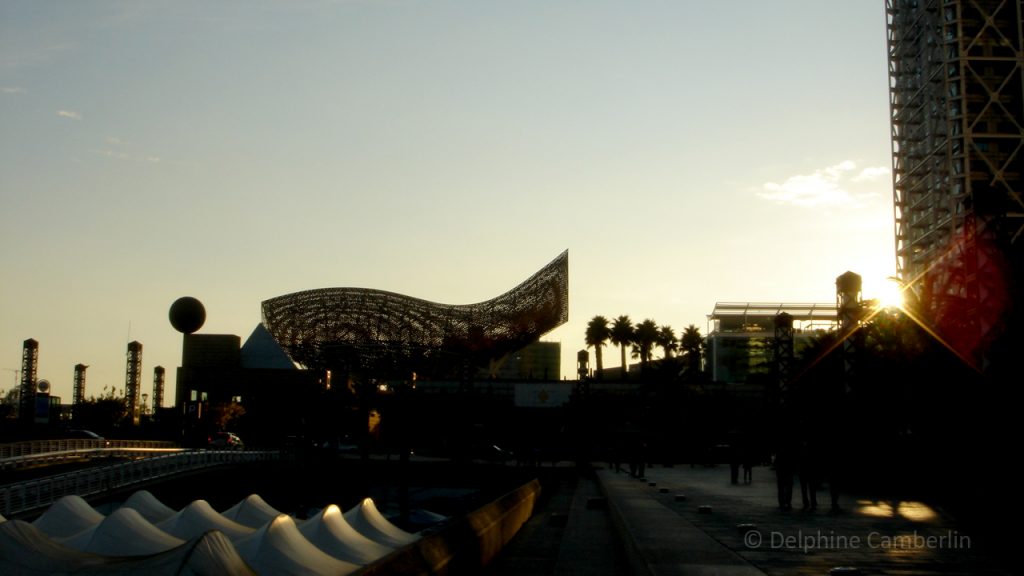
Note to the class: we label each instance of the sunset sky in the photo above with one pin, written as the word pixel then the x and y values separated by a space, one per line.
pixel 684 152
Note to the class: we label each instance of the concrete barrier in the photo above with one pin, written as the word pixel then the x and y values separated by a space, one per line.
pixel 464 545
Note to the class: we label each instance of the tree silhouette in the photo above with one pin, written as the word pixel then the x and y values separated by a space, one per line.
pixel 8 403
pixel 597 334
pixel 622 335
pixel 223 414
pixel 645 337
pixel 667 340
pixel 692 343
pixel 102 414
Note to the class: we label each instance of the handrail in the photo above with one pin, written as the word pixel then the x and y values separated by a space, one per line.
pixel 20 454
pixel 34 494
pixel 14 449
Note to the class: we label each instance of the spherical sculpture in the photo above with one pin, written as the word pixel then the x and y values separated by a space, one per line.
pixel 187 314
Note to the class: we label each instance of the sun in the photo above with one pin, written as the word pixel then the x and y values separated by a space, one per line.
pixel 889 294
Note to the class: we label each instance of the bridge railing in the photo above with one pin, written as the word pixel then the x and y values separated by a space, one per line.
pixel 20 449
pixel 21 454
pixel 41 492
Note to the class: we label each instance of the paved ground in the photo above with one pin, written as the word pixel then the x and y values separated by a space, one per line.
pixel 649 529
pixel 570 533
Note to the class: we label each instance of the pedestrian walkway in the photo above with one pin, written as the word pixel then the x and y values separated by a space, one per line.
pixel 571 533
pixel 685 520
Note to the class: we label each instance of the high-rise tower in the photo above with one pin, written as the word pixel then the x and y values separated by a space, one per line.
pixel 159 375
pixel 957 111
pixel 78 392
pixel 27 391
pixel 133 380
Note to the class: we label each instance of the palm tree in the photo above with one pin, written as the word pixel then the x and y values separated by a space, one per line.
pixel 691 344
pixel 621 335
pixel 597 334
pixel 667 340
pixel 646 336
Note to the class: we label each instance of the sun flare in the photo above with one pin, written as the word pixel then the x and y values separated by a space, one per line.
pixel 890 294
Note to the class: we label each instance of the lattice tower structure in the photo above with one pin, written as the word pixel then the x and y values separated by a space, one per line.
pixel 159 377
pixel 133 379
pixel 783 355
pixel 849 310
pixel 357 330
pixel 957 120
pixel 27 390
pixel 78 391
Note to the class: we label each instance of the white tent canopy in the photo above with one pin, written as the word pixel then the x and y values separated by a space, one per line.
pixel 279 548
pixel 26 550
pixel 71 537
pixel 252 511
pixel 148 506
pixel 198 517
pixel 124 533
pixel 330 532
pixel 67 517
pixel 369 522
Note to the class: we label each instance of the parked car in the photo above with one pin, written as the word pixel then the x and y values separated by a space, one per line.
pixel 341 445
pixel 225 440
pixel 85 435
pixel 82 434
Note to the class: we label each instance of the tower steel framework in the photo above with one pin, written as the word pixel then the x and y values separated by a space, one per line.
pixel 388 334
pixel 957 120
pixel 78 392
pixel 27 391
pixel 783 356
pixel 133 379
pixel 159 377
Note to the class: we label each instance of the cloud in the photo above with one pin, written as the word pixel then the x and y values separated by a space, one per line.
pixel 118 148
pixel 110 153
pixel 871 173
pixel 824 187
pixel 69 114
pixel 12 90
pixel 838 170
pixel 115 153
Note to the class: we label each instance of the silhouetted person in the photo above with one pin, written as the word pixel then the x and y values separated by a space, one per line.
pixel 734 463
pixel 638 455
pixel 748 460
pixel 807 470
pixel 784 466
pixel 831 459
pixel 615 453
pixel 832 475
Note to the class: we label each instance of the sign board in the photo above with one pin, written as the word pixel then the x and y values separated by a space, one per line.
pixel 42 415
pixel 542 394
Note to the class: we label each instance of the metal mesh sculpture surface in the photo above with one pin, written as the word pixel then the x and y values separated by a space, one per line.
pixel 388 334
